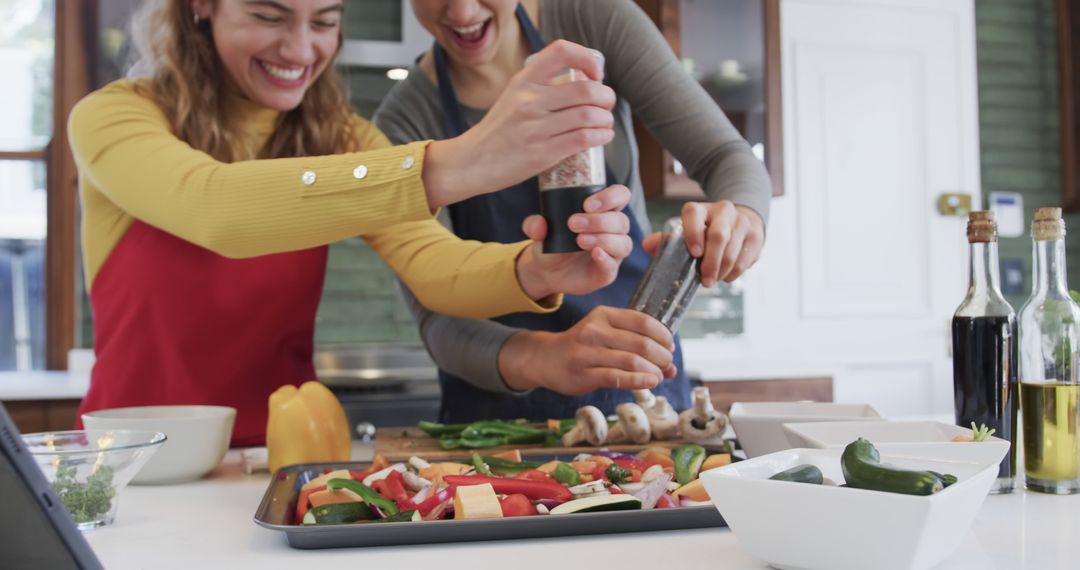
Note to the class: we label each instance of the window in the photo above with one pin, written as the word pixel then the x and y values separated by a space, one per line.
pixel 26 61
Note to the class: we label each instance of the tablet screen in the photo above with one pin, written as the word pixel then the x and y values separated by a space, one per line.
pixel 35 530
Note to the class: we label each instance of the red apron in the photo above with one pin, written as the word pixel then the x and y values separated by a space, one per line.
pixel 175 323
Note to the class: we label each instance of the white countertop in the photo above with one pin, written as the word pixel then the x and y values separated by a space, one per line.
pixel 208 524
pixel 44 385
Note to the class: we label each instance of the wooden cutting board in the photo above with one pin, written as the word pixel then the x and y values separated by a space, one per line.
pixel 399 444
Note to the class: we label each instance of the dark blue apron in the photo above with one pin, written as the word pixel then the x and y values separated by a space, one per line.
pixel 497 217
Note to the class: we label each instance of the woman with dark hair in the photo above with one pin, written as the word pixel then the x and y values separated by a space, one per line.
pixel 541 366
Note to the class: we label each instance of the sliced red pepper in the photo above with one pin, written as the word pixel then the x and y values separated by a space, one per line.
pixel 360 475
pixel 303 504
pixel 532 489
pixel 517 505
pixel 599 472
pixel 381 488
pixel 395 485
pixel 666 502
pixel 631 463
pixel 535 475
pixel 426 506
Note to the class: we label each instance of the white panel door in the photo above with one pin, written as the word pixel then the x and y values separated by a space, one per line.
pixel 859 269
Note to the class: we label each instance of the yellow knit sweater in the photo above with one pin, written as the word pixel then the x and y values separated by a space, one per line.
pixel 131 166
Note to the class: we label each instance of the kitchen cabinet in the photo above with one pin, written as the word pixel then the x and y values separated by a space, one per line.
pixel 43 415
pixel 733 49
pixel 724 394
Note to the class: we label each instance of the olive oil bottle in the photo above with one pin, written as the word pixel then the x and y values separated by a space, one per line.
pixel 984 348
pixel 1049 368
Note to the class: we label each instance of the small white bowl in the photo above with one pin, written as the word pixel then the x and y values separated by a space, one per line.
pixel 810 527
pixel 932 440
pixel 198 437
pixel 758 428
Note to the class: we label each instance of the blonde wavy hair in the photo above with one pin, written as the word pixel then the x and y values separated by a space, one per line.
pixel 183 74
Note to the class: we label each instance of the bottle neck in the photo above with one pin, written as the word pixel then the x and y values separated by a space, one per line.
pixel 1048 269
pixel 984 269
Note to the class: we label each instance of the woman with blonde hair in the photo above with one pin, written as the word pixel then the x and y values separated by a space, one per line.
pixel 212 184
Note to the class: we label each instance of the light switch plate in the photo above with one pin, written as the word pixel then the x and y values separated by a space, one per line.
pixel 1008 208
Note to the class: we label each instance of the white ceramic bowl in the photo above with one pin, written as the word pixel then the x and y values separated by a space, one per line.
pixel 759 425
pixel 932 440
pixel 198 437
pixel 810 527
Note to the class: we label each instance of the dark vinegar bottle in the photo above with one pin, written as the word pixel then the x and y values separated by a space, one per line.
pixel 984 348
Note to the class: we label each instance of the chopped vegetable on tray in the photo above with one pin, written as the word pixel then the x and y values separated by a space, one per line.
pixel 498 486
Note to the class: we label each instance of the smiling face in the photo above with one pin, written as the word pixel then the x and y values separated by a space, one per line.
pixel 274 49
pixel 471 31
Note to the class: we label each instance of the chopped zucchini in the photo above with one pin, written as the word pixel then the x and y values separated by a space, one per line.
pixel 340 513
pixel 403 516
pixel 598 503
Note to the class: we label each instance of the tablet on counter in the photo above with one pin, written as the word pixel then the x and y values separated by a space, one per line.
pixel 36 530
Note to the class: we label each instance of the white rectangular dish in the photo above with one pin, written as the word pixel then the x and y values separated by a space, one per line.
pixel 809 527
pixel 758 425
pixel 932 440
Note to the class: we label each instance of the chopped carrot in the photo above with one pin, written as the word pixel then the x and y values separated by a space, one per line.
pixel 716 460
pixel 655 449
pixel 326 497
pixel 549 467
pixel 512 455
pixel 653 456
pixel 379 463
pixel 584 467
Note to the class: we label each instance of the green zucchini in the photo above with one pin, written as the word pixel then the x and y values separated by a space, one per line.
pixel 801 474
pixel 404 516
pixel 341 513
pixel 945 479
pixel 863 469
pixel 598 503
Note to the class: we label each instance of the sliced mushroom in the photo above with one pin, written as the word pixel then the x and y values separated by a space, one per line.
pixel 663 419
pixel 645 398
pixel 633 425
pixel 701 421
pixel 591 427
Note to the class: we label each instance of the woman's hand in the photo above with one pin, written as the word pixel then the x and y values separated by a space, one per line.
pixel 532 126
pixel 727 238
pixel 602 235
pixel 609 348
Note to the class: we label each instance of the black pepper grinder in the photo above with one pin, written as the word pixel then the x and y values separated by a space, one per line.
pixel 565 186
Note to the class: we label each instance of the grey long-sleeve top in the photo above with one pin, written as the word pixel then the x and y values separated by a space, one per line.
pixel 648 80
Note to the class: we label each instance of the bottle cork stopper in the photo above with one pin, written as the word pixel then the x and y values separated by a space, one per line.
pixel 1048 225
pixel 981 227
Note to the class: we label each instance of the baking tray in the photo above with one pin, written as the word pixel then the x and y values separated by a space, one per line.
pixel 278 506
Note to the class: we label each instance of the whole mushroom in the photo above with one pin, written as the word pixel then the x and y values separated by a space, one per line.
pixel 591 426
pixel 633 424
pixel 702 421
pixel 663 419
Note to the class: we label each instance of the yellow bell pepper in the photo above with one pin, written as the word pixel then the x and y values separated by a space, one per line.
pixel 306 425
